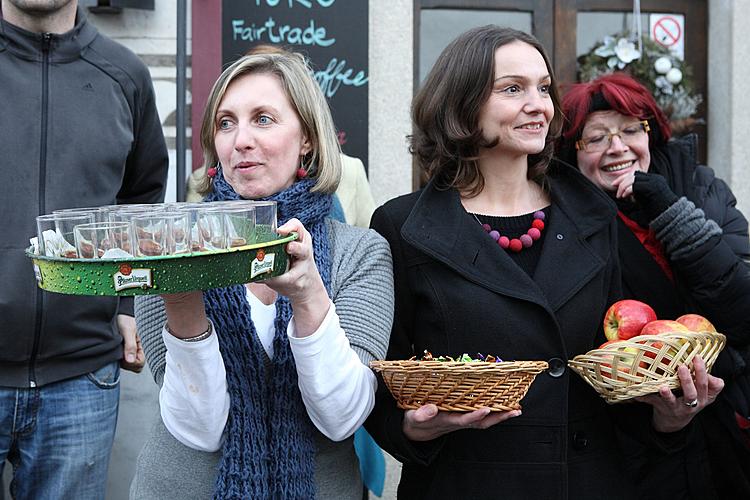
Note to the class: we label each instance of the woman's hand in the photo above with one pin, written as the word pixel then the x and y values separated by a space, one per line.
pixel 302 283
pixel 652 192
pixel 698 391
pixel 624 186
pixel 186 314
pixel 427 423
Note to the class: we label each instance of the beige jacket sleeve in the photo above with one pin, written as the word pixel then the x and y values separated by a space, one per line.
pixel 354 192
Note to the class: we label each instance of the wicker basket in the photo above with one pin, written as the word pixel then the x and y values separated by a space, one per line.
pixel 638 366
pixel 456 386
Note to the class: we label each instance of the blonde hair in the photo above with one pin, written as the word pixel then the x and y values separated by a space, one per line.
pixel 323 162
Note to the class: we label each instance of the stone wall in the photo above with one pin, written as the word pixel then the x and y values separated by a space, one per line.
pixel 728 88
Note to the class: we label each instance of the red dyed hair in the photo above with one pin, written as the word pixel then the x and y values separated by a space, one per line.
pixel 618 92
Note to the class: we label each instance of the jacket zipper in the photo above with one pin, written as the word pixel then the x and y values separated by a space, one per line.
pixel 46 37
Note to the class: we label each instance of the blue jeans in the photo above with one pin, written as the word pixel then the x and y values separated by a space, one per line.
pixel 58 437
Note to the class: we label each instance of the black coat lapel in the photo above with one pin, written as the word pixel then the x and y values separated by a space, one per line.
pixel 579 210
pixel 567 262
pixel 440 227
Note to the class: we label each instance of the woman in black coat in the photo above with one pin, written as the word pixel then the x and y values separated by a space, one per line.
pixel 683 247
pixel 507 254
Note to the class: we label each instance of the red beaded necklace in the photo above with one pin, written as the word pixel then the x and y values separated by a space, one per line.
pixel 526 240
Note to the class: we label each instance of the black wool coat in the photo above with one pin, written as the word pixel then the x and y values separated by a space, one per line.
pixel 458 292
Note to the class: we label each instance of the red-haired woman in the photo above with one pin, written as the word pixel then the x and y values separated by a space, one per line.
pixel 682 243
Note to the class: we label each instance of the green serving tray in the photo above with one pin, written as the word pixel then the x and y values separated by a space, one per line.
pixel 167 274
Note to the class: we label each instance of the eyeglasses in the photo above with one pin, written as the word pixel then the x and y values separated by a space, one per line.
pixel 601 142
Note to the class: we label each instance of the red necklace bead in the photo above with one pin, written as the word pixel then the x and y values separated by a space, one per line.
pixel 524 241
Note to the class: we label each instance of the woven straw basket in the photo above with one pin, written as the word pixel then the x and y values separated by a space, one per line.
pixel 638 366
pixel 457 386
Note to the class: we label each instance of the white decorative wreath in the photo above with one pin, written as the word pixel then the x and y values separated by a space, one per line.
pixel 667 77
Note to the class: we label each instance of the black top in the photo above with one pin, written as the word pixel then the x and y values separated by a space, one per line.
pixel 513 227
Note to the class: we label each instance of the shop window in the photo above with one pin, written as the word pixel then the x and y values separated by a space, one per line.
pixel 439 26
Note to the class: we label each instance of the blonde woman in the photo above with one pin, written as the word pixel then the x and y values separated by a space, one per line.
pixel 264 384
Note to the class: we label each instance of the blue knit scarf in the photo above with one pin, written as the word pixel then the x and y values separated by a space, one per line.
pixel 268 450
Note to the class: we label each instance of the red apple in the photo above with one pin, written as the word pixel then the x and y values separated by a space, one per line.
pixel 623 356
pixel 608 373
pixel 646 352
pixel 625 318
pixel 657 367
pixel 660 326
pixel 609 342
pixel 696 323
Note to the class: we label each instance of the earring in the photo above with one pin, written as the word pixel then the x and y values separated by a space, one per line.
pixel 301 171
pixel 212 171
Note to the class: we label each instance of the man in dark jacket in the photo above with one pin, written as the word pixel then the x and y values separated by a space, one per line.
pixel 78 127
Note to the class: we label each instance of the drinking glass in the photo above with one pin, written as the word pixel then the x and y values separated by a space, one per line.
pixel 239 225
pixel 265 221
pixel 55 233
pixel 103 240
pixel 191 209
pixel 150 234
pixel 100 213
pixel 178 232
pixel 210 229
pixel 125 213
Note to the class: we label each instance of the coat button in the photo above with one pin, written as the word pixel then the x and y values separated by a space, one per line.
pixel 556 367
pixel 560 236
pixel 580 441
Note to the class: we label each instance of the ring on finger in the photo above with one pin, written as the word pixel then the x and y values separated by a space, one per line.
pixel 691 404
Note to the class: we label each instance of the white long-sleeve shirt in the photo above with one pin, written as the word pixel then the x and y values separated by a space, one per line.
pixel 338 390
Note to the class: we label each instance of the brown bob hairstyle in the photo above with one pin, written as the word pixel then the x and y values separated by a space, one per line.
pixel 445 111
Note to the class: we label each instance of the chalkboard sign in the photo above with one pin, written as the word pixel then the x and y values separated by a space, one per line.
pixel 331 33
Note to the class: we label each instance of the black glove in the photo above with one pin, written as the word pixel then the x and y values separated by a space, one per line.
pixel 652 193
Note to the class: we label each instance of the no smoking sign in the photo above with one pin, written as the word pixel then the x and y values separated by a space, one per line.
pixel 668 30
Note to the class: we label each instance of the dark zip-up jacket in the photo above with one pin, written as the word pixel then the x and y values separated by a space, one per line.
pixel 78 127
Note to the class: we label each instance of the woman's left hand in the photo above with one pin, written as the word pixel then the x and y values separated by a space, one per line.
pixel 302 283
pixel 624 186
pixel 673 413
